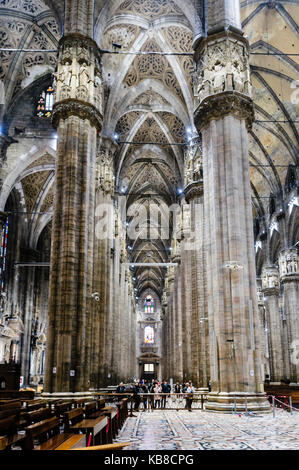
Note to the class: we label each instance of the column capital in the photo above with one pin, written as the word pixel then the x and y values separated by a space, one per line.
pixel 78 80
pixel 223 78
pixel 81 109
pixel 289 265
pixel 193 189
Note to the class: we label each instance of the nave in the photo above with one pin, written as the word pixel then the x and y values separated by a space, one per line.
pixel 172 430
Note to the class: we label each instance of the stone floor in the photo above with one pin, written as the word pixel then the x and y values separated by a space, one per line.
pixel 200 430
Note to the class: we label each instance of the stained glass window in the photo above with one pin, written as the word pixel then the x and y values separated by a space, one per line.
pixel 149 305
pixel 45 103
pixel 3 250
pixel 148 334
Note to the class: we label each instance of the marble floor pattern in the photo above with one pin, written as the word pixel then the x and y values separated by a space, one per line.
pixel 200 430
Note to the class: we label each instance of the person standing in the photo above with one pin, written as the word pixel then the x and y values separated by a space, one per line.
pixel 177 389
pixel 157 396
pixel 136 395
pixel 164 391
pixel 190 390
pixel 121 388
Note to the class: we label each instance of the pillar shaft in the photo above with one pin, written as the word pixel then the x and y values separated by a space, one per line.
pixel 289 276
pixel 223 114
pixel 78 120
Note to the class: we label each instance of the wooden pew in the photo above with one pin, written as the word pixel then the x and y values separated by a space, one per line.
pixel 10 412
pixel 61 408
pixel 79 402
pixel 35 405
pixel 3 442
pixel 19 394
pixel 91 409
pixel 122 407
pixel 36 416
pixel 47 434
pixel 116 446
pixel 112 414
pixel 94 429
pixel 101 403
pixel 72 417
pixel 9 404
pixel 9 430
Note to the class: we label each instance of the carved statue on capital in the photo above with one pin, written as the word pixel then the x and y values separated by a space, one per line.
pixel 77 78
pixel 270 279
pixel 105 166
pixel 223 66
pixel 223 84
pixel 193 161
pixel 289 264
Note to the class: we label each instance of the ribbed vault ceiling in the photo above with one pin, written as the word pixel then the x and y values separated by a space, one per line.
pixel 150 99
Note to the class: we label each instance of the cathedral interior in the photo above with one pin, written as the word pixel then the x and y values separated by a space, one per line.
pixel 149 195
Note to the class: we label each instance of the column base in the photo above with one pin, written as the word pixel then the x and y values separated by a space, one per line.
pixel 225 402
pixel 66 395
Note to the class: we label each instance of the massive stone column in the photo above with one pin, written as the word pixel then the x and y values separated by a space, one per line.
pixel 195 247
pixel 289 276
pixel 77 116
pixel 104 234
pixel 224 112
pixel 270 288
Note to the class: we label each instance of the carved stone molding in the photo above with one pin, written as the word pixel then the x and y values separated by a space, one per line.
pixel 73 107
pixel 194 189
pixel 223 104
pixel 289 265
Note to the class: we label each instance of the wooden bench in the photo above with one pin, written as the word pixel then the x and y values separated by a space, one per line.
pixel 122 407
pixel 101 403
pixel 112 427
pixel 9 430
pixel 79 402
pixel 32 417
pixel 91 409
pixel 47 434
pixel 9 404
pixel 3 442
pixel 116 446
pixel 10 412
pixel 35 405
pixel 19 394
pixel 94 429
pixel 61 408
pixel 72 417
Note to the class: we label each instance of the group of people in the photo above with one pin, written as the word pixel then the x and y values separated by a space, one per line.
pixel 159 392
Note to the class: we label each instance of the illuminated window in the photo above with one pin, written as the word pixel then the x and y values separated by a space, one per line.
pixel 149 305
pixel 148 334
pixel 149 367
pixel 45 103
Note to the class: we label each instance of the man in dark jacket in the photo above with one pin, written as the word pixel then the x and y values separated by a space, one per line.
pixel 166 388
pixel 121 388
